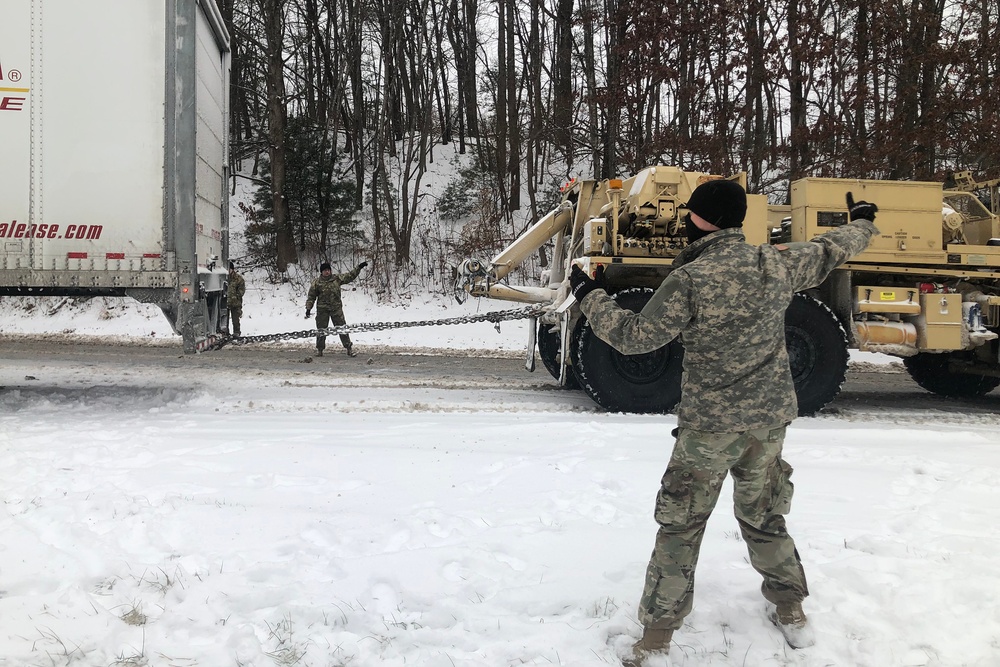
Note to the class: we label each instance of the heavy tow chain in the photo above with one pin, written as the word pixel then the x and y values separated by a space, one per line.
pixel 218 342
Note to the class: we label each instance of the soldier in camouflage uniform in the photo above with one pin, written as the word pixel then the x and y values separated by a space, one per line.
pixel 727 301
pixel 237 287
pixel 325 293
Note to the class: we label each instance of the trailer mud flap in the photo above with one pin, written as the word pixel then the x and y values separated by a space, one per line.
pixel 564 336
pixel 189 320
pixel 529 361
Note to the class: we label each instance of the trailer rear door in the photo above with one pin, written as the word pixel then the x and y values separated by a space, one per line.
pixel 212 73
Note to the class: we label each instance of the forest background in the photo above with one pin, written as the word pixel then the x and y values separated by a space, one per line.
pixel 339 107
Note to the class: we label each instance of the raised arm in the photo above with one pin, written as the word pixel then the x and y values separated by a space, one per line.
pixel 809 263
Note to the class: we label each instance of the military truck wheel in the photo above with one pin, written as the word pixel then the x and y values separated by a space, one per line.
pixel 548 350
pixel 932 372
pixel 817 352
pixel 642 383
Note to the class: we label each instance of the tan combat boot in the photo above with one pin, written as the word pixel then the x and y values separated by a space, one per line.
pixel 652 642
pixel 792 622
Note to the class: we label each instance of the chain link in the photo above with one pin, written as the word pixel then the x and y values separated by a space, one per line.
pixel 214 342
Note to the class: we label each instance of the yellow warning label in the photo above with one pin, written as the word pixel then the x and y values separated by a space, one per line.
pixel 887 296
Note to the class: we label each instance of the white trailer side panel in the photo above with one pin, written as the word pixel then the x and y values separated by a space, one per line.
pixel 15 125
pixel 212 72
pixel 97 133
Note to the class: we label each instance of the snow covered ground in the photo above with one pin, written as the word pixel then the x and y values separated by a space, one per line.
pixel 154 518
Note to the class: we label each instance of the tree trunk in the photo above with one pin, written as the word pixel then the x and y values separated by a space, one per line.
pixel 274 32
pixel 562 79
pixel 514 121
pixel 615 11
pixel 862 51
pixel 929 125
pixel 590 73
pixel 799 138
pixel 753 120
pixel 500 166
pixel 355 19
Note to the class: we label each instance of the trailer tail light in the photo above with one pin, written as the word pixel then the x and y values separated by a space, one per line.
pixel 568 184
pixel 76 255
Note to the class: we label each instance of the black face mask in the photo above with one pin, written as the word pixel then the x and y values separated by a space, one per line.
pixel 693 231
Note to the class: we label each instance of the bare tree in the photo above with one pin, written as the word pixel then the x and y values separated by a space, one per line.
pixel 799 158
pixel 589 18
pixel 273 13
pixel 562 78
pixel 462 16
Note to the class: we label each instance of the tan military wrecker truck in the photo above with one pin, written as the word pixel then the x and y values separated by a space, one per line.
pixel 926 290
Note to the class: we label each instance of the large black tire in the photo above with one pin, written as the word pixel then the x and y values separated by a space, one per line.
pixel 643 383
pixel 651 383
pixel 817 352
pixel 932 372
pixel 548 350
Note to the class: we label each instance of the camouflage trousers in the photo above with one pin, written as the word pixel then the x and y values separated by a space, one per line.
pixel 325 318
pixel 688 493
pixel 235 313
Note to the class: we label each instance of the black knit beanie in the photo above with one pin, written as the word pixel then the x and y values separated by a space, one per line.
pixel 325 266
pixel 722 203
pixel 232 265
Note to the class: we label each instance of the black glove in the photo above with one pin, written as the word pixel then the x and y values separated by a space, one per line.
pixel 362 265
pixel 308 313
pixel 861 210
pixel 582 284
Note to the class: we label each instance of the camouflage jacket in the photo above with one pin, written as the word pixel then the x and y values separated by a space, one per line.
pixel 237 288
pixel 727 301
pixel 325 291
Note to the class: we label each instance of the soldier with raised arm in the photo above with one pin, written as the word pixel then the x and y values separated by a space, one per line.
pixel 726 299
pixel 325 294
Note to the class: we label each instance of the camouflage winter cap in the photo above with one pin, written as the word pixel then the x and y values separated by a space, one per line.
pixel 722 203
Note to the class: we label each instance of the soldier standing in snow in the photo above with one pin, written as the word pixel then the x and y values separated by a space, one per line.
pixel 325 293
pixel 235 290
pixel 726 299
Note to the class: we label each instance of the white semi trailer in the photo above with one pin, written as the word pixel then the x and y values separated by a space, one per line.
pixel 113 154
